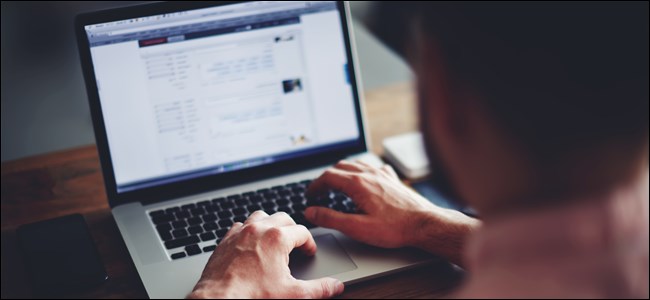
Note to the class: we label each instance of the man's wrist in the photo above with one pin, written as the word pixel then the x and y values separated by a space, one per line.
pixel 443 232
pixel 203 294
pixel 211 289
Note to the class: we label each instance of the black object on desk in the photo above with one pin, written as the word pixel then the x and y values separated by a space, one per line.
pixel 428 191
pixel 60 255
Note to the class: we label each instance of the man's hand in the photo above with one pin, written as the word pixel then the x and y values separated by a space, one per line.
pixel 392 215
pixel 252 262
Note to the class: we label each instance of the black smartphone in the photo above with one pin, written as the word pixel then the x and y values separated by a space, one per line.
pixel 60 255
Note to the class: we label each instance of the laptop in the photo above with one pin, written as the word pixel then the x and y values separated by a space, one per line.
pixel 206 112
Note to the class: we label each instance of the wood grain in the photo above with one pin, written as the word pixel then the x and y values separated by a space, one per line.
pixel 70 181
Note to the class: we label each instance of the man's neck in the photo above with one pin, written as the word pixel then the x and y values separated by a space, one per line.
pixel 594 185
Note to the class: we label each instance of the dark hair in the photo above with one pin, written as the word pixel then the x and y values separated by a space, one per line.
pixel 557 75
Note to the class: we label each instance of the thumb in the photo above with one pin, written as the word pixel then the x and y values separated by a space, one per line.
pixel 326 287
pixel 355 226
pixel 330 218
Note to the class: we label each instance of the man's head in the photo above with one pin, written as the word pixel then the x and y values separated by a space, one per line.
pixel 527 101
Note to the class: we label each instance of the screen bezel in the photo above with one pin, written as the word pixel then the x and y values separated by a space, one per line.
pixel 210 182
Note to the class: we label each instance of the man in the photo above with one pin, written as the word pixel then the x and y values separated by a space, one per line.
pixel 536 115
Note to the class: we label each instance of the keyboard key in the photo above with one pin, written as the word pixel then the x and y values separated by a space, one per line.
pixel 179 224
pixel 164 218
pixel 225 214
pixel 219 241
pixel 165 236
pixel 209 248
pixel 193 250
pixel 242 201
pixel 340 197
pixel 285 209
pixel 195 229
pixel 209 217
pixel 248 194
pixel 194 221
pixel 164 227
pixel 261 191
pixel 296 199
pixel 183 214
pixel 240 211
pixel 178 255
pixel 197 211
pixel 204 203
pixel 188 206
pixel 227 205
pixel 284 192
pixel 339 207
pixel 234 197
pixel 256 199
pixel 221 232
pixel 268 205
pixel 282 201
pixel 225 223
pixel 210 226
pixel 305 182
pixel 182 242
pixel 269 195
pixel 172 210
pixel 277 187
pixel 207 236
pixel 298 190
pixel 218 200
pixel 299 207
pixel 253 207
pixel 178 233
pixel 240 219
pixel 321 201
pixel 157 213
pixel 212 208
pixel 163 231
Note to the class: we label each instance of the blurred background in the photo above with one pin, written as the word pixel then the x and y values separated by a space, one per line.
pixel 44 104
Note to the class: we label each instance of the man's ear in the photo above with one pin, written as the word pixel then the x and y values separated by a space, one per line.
pixel 442 101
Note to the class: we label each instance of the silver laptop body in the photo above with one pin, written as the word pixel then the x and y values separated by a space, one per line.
pixel 195 105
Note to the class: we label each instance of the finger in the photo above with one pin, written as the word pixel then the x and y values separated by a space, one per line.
pixel 348 166
pixel 390 171
pixel 234 229
pixel 351 224
pixel 332 178
pixel 256 216
pixel 279 219
pixel 365 165
pixel 300 238
pixel 368 168
pixel 322 288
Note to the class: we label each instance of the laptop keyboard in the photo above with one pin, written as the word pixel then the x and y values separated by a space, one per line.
pixel 195 228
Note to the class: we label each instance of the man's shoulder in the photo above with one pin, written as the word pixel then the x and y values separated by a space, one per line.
pixel 587 249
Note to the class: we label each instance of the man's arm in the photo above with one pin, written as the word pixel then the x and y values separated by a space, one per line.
pixel 392 215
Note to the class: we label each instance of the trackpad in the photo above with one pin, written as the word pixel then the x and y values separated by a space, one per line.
pixel 330 259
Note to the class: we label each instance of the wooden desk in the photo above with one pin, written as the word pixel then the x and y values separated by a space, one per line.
pixel 70 181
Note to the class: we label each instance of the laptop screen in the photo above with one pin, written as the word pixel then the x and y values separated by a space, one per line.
pixel 199 92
